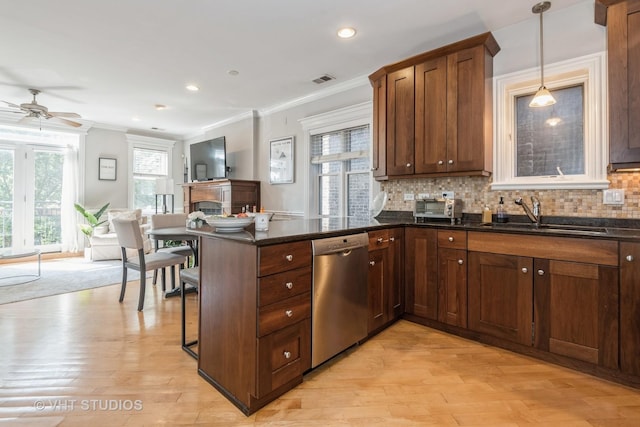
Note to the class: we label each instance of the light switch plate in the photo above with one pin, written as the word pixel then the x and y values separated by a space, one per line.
pixel 422 196
pixel 409 196
pixel 448 195
pixel 613 197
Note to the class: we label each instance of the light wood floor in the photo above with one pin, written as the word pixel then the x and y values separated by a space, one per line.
pixel 82 359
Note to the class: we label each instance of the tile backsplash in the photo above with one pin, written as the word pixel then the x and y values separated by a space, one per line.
pixel 476 193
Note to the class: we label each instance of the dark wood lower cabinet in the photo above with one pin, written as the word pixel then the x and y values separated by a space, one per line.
pixel 576 310
pixel 452 286
pixel 421 272
pixel 501 296
pixel 630 308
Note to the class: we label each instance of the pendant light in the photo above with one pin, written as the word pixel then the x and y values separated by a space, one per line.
pixel 542 97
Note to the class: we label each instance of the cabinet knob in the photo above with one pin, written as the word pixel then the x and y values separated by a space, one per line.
pixel 374 169
pixel 372 263
pixel 392 239
pixel 289 313
pixel 460 262
pixel 287 354
pixel 540 272
pixel 380 240
pixel 450 162
pixel 289 257
pixel 525 270
pixel 289 285
pixel 408 165
pixel 451 239
pixel 629 258
pixel 440 162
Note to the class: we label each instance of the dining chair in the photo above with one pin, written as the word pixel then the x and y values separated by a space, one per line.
pixel 170 221
pixel 189 276
pixel 130 237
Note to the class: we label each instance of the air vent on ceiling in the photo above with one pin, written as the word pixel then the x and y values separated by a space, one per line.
pixel 323 78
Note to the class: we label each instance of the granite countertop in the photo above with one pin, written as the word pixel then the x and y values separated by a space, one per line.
pixel 282 231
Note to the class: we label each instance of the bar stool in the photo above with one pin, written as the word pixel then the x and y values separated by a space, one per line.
pixel 189 276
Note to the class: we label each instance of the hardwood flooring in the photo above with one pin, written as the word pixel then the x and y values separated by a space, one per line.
pixel 83 359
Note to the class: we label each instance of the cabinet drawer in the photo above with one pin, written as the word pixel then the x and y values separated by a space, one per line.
pixel 284 313
pixel 283 356
pixel 378 239
pixel 284 257
pixel 452 239
pixel 281 286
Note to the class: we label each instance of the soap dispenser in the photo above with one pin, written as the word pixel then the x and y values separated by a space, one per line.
pixel 486 215
pixel 501 214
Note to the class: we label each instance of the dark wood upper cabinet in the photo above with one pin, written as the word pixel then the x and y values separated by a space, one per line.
pixel 623 44
pixel 433 112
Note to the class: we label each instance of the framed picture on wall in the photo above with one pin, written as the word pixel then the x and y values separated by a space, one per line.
pixel 281 165
pixel 107 169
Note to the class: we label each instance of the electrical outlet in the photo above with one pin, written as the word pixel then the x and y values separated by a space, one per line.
pixel 448 195
pixel 613 197
pixel 408 197
pixel 422 196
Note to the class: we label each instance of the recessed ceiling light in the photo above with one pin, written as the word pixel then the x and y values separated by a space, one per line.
pixel 346 32
pixel 233 72
pixel 160 107
pixel 193 88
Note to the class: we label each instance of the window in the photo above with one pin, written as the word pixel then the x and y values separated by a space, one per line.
pixel 340 162
pixel 563 146
pixel 150 159
pixel 338 145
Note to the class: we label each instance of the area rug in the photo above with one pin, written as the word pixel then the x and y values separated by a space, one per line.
pixel 58 277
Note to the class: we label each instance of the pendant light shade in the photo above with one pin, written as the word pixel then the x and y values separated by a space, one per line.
pixel 543 97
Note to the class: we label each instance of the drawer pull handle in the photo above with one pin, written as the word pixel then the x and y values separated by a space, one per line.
pixel 451 239
pixel 540 272
pixel 289 285
pixel 460 262
pixel 380 240
pixel 372 263
pixel 629 258
pixel 525 270
pixel 289 313
pixel 289 257
pixel 287 355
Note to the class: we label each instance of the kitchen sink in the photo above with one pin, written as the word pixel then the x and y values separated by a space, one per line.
pixel 561 228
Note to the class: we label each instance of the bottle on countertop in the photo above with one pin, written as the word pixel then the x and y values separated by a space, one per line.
pixel 501 214
pixel 486 215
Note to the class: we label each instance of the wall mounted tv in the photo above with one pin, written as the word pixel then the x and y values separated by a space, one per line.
pixel 208 159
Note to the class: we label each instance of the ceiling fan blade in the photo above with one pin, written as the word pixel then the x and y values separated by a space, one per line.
pixel 11 104
pixel 67 122
pixel 26 119
pixel 62 114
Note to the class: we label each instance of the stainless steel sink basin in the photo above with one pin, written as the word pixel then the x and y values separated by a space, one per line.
pixel 548 227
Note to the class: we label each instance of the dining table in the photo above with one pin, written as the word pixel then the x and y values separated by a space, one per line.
pixel 181 234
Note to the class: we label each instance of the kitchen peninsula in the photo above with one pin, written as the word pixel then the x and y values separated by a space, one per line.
pixel 256 295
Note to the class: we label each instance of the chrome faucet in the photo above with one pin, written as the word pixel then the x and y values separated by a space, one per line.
pixel 535 214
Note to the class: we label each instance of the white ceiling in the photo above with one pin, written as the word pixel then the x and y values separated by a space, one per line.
pixel 114 60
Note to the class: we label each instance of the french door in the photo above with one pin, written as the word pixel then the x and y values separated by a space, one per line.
pixel 30 196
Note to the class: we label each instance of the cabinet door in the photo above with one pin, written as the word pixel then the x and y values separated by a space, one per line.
pixel 623 33
pixel 467 103
pixel 500 296
pixel 400 122
pixel 421 272
pixel 378 278
pixel 379 136
pixel 576 310
pixel 396 286
pixel 431 116
pixel 452 286
pixel 630 308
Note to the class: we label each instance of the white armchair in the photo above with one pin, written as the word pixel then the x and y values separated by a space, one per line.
pixel 104 242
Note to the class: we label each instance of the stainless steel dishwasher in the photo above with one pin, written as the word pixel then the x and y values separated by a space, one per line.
pixel 339 295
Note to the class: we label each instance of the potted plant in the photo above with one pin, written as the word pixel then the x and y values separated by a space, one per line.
pixel 93 219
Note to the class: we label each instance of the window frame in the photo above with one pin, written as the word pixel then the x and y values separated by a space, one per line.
pixel 589 70
pixel 343 118
pixel 147 143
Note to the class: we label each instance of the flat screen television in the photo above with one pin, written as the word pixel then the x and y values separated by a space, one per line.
pixel 208 160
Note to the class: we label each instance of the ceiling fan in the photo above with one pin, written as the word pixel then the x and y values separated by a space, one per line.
pixel 38 111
